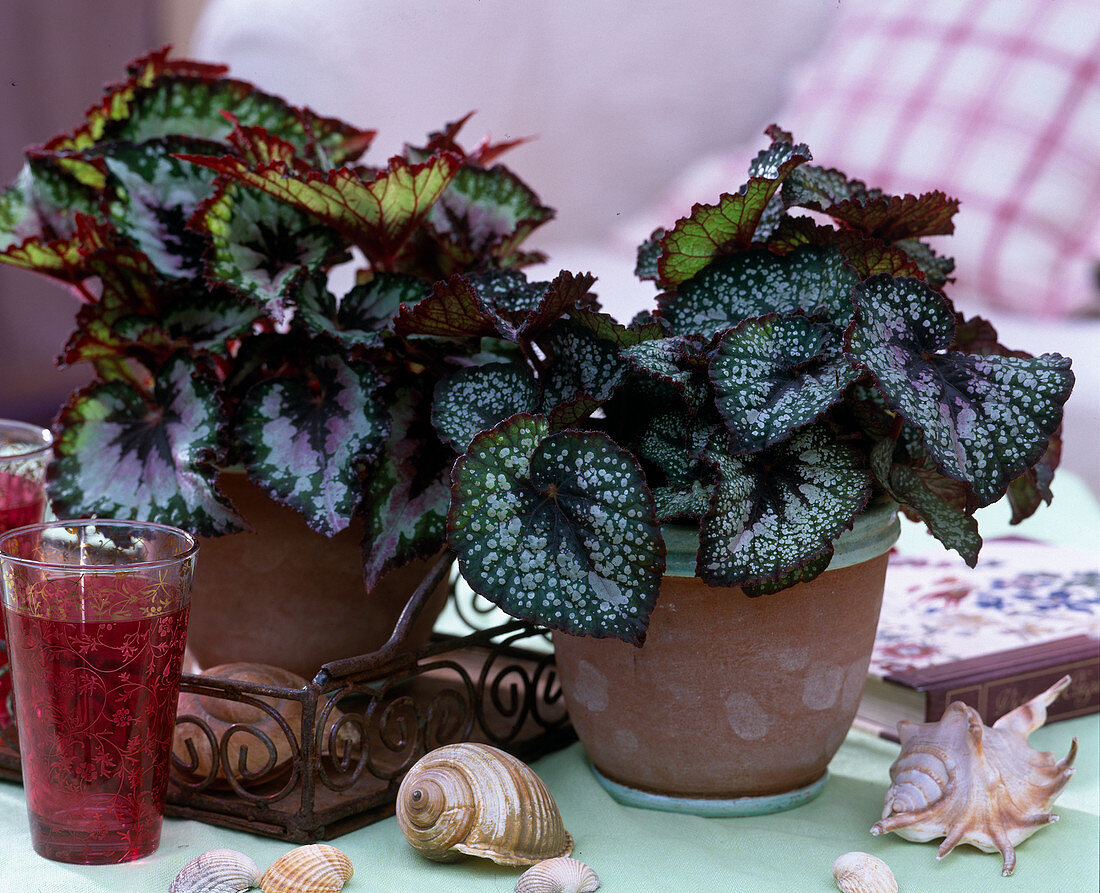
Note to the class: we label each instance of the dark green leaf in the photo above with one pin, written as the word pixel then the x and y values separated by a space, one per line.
pixel 649 254
pixel 477 398
pixel 773 375
pixel 121 455
pixel 361 315
pixel 815 281
pixel 579 364
pixel 776 512
pixel 306 441
pixel 985 419
pixel 557 529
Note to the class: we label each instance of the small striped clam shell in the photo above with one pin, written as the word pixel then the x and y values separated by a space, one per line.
pixel 316 868
pixel 863 873
pixel 560 875
pixel 217 871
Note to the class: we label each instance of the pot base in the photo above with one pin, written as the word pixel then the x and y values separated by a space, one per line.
pixel 709 806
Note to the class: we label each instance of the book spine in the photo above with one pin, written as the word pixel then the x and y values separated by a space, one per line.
pixel 996 697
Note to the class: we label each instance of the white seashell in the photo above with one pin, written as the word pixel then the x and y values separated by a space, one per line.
pixel 217 871
pixel 560 875
pixel 970 783
pixel 475 800
pixel 316 868
pixel 863 873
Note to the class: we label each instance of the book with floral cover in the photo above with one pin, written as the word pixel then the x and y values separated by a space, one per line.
pixel 992 636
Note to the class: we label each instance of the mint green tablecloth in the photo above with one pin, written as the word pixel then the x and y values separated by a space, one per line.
pixel 635 850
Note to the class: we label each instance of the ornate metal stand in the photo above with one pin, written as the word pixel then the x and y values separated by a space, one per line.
pixel 353 732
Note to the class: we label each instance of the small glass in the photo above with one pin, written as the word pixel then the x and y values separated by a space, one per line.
pixel 24 452
pixel 97 621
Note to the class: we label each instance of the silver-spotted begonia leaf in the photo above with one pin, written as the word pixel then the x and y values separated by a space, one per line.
pixel 946 522
pixel 985 419
pixel 671 443
pixel 478 397
pixel 649 255
pixel 678 363
pixel 121 455
pixel 155 195
pixel 260 247
pixel 407 492
pixel 815 281
pixel 773 375
pixel 305 442
pixel 558 529
pixel 779 510
pixel 579 364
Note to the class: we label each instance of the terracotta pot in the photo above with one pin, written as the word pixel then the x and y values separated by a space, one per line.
pixel 289 596
pixel 734 705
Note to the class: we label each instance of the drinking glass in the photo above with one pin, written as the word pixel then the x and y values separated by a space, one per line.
pixel 97 621
pixel 24 451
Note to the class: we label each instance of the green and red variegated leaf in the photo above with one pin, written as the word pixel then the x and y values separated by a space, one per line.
pixel 891 218
pixel 558 529
pixel 985 419
pixel 780 510
pixel 364 313
pixel 121 454
pixel 773 375
pixel 453 309
pixel 446 140
pixel 154 195
pixel 916 490
pixel 155 64
pixel 607 328
pixel 64 259
pixel 484 215
pixel 811 280
pixel 307 442
pixel 476 398
pixel 562 295
pixel 407 492
pixel 579 364
pixel 713 230
pixel 261 247
pixel 377 215
pixel 43 202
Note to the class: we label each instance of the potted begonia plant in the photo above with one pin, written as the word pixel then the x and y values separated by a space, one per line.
pixel 199 219
pixel 740 451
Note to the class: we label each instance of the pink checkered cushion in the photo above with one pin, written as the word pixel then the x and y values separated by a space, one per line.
pixel 994 102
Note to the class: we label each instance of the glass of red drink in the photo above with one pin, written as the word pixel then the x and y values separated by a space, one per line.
pixel 24 452
pixel 97 621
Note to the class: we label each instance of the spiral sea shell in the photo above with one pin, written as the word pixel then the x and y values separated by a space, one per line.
pixel 475 800
pixel 560 875
pixel 317 868
pixel 217 871
pixel 256 734
pixel 969 783
pixel 863 873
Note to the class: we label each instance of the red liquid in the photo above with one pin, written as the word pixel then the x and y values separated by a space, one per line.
pixel 96 708
pixel 21 502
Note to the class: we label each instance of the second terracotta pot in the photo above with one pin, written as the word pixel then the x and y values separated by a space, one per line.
pixel 288 596
pixel 733 702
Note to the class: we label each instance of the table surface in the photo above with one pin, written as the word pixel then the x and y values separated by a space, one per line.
pixel 639 850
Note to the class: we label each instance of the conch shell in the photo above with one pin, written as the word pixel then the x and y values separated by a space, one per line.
pixel 969 783
pixel 257 735
pixel 316 868
pixel 560 875
pixel 863 873
pixel 217 871
pixel 475 800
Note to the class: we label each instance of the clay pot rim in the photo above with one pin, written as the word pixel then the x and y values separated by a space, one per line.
pixel 873 533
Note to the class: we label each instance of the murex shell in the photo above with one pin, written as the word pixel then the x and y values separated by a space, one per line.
pixel 217 871
pixel 969 783
pixel 863 873
pixel 559 875
pixel 475 800
pixel 316 868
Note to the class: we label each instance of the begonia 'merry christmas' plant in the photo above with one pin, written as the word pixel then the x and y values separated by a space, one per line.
pixel 797 366
pixel 198 220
